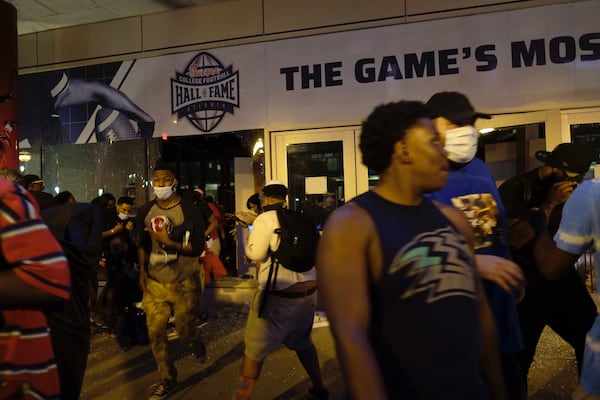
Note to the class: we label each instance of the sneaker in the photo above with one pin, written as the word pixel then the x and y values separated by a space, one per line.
pixel 172 333
pixel 162 391
pixel 203 317
pixel 124 342
pixel 318 394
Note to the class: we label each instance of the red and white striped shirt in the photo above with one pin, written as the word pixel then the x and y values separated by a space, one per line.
pixel 30 250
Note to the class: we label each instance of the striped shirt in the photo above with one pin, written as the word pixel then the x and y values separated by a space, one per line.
pixel 30 250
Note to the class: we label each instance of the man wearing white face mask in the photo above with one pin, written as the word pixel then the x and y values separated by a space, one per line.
pixel 471 188
pixel 116 220
pixel 170 238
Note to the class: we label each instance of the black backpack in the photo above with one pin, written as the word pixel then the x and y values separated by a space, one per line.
pixel 297 249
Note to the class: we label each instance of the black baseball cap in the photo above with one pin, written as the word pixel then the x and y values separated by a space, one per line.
pixel 573 157
pixel 453 106
pixel 29 179
pixel 275 189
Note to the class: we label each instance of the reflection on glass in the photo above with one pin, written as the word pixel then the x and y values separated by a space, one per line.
pixel 510 150
pixel 373 178
pixel 119 168
pixel 323 159
pixel 589 134
pixel 208 162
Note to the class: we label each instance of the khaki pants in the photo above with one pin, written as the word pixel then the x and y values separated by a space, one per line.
pixel 184 299
pixel 581 394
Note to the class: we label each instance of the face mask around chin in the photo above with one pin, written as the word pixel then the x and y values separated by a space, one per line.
pixel 461 144
pixel 163 192
pixel 123 217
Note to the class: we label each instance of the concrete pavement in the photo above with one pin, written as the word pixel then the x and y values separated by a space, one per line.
pixel 115 375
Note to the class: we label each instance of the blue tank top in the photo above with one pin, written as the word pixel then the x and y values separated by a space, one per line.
pixel 424 326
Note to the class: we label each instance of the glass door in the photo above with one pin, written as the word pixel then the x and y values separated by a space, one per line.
pixel 318 167
pixel 508 142
pixel 584 126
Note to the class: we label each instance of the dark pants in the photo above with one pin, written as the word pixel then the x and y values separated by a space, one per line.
pixel 513 377
pixel 71 349
pixel 565 306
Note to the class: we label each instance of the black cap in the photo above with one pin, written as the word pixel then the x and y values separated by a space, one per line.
pixel 275 189
pixel 29 179
pixel 453 106
pixel 573 157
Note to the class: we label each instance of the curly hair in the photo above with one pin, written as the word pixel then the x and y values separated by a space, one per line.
pixel 386 125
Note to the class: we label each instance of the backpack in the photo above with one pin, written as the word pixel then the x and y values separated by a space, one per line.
pixel 297 249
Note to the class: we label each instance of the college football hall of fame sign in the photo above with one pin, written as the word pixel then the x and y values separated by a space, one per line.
pixel 205 91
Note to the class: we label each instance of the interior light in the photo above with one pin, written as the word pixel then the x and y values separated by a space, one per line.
pixel 486 130
pixel 258 147
pixel 24 156
pixel 56 189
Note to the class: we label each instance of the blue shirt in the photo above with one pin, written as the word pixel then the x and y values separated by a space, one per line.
pixel 579 231
pixel 474 192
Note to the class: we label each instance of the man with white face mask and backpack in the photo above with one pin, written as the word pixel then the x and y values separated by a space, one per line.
pixel 471 188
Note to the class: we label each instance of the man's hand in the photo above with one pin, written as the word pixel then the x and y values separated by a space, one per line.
pixel 560 192
pixel 161 236
pixel 505 273
pixel 117 228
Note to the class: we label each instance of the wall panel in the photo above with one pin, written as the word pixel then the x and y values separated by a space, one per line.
pixel 291 15
pixel 210 23
pixel 89 41
pixel 27 48
pixel 426 6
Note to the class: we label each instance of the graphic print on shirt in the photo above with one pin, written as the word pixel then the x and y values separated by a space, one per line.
pixel 482 212
pixel 436 262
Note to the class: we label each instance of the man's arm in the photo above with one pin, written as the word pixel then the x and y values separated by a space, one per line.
pixel 36 269
pixel 15 291
pixel 83 91
pixel 259 239
pixel 346 251
pixel 212 225
pixel 143 264
pixel 552 262
pixel 491 365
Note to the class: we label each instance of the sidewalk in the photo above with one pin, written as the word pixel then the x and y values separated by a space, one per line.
pixel 116 375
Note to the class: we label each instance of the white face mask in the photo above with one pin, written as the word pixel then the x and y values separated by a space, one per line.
pixel 123 217
pixel 163 192
pixel 461 144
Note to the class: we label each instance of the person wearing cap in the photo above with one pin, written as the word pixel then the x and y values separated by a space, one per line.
pixel 565 304
pixel 579 232
pixel 397 275
pixel 35 185
pixel 471 188
pixel 288 315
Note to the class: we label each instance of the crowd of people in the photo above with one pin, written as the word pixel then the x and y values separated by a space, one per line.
pixel 448 280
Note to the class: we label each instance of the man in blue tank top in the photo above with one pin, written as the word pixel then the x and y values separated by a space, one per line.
pixel 397 275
